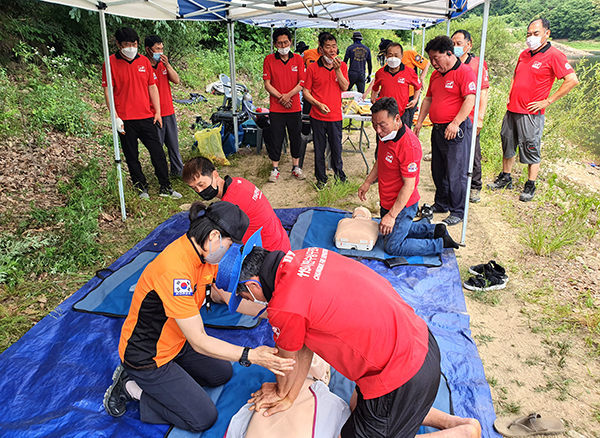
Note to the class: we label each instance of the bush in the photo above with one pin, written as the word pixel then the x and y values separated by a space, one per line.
pixel 9 107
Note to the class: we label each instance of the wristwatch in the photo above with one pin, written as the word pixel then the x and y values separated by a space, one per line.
pixel 244 359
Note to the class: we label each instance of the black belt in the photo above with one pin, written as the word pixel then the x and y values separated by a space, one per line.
pixel 439 126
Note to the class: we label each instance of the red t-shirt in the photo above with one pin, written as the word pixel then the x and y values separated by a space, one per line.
pixel 397 158
pixel 131 80
pixel 448 92
pixel 473 62
pixel 534 77
pixel 350 316
pixel 324 87
pixel 284 76
pixel 164 90
pixel 396 85
pixel 255 204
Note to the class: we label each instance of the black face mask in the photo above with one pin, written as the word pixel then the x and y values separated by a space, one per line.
pixel 209 193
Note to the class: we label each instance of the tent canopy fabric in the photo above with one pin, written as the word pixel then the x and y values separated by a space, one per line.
pixel 351 14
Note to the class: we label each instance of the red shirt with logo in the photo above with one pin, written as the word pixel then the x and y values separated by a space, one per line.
pixel 396 85
pixel 255 204
pixel 448 92
pixel 164 90
pixel 324 87
pixel 350 316
pixel 398 158
pixel 534 77
pixel 284 76
pixel 130 80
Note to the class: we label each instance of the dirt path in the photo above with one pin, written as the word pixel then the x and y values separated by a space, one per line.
pixel 531 364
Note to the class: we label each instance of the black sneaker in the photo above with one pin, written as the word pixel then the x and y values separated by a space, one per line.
pixel 321 185
pixel 498 270
pixel 502 181
pixel 116 396
pixel 426 212
pixel 452 220
pixel 482 283
pixel 528 192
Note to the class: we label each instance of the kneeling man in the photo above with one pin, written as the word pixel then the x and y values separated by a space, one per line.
pixel 316 303
pixel 397 169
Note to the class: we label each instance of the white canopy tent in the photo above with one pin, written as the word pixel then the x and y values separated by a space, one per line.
pixel 351 14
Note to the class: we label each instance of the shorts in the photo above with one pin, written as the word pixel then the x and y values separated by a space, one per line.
pixel 401 412
pixel 523 132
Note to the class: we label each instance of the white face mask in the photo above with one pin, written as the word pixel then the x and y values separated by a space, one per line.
pixel 283 51
pixel 394 62
pixel 327 60
pixel 129 52
pixel 391 135
pixel 534 42
pixel 213 258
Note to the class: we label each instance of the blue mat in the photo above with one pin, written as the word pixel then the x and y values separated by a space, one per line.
pixel 54 377
pixel 112 297
pixel 318 227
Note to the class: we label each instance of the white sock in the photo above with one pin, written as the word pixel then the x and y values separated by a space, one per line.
pixel 133 389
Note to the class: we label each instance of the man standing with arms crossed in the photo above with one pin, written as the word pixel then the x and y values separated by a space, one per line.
pixel 283 74
pixel 326 79
pixel 523 123
pixel 449 103
pixel 165 73
pixel 463 43
pixel 134 89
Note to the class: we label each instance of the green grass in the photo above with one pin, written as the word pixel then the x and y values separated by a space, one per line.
pixel 588 46
pixel 338 195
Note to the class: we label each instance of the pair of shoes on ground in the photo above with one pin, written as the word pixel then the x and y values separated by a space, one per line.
pixel 164 192
pixel 504 181
pixel 296 173
pixel 116 396
pixel 488 276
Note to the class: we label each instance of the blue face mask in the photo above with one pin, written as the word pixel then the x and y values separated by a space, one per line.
pixel 156 56
pixel 459 51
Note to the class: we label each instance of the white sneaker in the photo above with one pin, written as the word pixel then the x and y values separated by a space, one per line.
pixel 297 172
pixel 144 195
pixel 170 193
pixel 274 175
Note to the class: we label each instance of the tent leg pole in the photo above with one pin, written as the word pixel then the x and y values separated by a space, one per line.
pixel 272 28
pixel 234 102
pixel 423 45
pixel 486 14
pixel 412 40
pixel 448 27
pixel 111 99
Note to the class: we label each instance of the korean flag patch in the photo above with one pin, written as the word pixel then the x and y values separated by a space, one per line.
pixel 182 288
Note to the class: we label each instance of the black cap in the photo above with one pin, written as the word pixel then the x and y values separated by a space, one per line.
pixel 301 47
pixel 229 217
pixel 357 35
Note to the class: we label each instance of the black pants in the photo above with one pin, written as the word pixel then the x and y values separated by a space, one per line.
pixel 322 132
pixel 409 114
pixel 144 130
pixel 401 412
pixel 279 123
pixel 358 79
pixel 449 165
pixel 306 107
pixel 173 393
pixel 476 180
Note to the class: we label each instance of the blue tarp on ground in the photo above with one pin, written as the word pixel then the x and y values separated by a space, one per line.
pixel 53 379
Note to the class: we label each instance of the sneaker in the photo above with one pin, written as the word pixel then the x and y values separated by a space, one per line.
pixel 528 192
pixel 483 283
pixel 297 172
pixel 116 396
pixel 494 267
pixel 474 197
pixel 145 195
pixel 427 157
pixel 274 175
pixel 426 212
pixel 321 185
pixel 169 193
pixel 452 220
pixel 437 209
pixel 502 181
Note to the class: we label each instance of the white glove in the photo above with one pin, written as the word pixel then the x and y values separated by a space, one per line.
pixel 120 125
